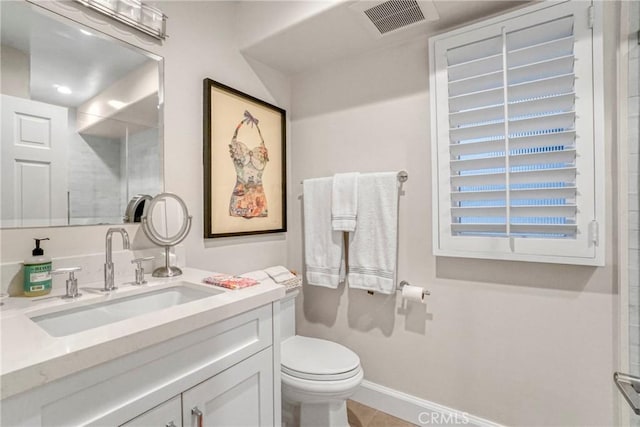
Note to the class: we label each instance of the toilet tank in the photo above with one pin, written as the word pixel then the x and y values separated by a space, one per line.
pixel 288 315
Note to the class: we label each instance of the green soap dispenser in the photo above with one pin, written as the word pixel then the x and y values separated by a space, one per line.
pixel 37 272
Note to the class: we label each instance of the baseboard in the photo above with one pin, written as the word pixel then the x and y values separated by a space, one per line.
pixel 414 410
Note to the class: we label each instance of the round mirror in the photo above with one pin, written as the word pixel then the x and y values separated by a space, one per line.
pixel 166 222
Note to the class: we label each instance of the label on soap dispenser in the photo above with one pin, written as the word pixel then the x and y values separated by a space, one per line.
pixel 40 273
pixel 37 279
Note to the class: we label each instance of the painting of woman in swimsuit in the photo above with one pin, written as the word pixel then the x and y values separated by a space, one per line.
pixel 244 164
pixel 248 199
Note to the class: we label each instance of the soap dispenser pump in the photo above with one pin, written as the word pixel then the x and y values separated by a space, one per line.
pixel 37 272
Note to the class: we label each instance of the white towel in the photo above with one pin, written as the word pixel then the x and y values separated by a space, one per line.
pixel 344 201
pixel 373 246
pixel 258 275
pixel 279 274
pixel 322 246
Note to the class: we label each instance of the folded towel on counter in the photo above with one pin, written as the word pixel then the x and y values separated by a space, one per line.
pixel 260 276
pixel 344 201
pixel 279 274
pixel 373 246
pixel 322 246
pixel 230 282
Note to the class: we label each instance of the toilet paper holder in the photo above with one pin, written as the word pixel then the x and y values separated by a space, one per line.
pixel 404 283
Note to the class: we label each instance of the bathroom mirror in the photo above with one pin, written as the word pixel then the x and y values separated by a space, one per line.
pixel 166 222
pixel 81 121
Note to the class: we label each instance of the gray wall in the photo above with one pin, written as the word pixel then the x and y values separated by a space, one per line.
pixel 516 343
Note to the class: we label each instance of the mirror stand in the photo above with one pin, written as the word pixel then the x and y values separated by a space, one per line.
pixel 168 270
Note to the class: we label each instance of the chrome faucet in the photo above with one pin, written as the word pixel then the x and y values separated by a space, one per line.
pixel 108 265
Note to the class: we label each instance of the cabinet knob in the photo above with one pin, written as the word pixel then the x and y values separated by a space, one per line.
pixel 199 416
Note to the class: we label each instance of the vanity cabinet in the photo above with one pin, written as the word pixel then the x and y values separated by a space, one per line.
pixel 239 396
pixel 229 370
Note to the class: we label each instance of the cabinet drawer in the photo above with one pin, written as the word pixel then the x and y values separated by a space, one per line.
pixel 139 381
pixel 167 414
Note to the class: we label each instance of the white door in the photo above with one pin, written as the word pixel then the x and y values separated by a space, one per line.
pixel 241 396
pixel 34 163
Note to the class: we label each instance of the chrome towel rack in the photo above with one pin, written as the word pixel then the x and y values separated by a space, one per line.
pixel 403 176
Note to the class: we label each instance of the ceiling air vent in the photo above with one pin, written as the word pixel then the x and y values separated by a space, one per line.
pixel 392 15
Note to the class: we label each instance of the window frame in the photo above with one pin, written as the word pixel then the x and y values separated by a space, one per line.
pixel 588 248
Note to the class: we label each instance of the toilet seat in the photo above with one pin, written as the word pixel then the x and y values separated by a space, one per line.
pixel 315 359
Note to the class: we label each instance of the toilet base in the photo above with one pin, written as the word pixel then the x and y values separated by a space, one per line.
pixel 331 414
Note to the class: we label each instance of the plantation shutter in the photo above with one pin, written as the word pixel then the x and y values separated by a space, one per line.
pixel 513 109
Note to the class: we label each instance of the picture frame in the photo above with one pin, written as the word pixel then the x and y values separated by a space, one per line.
pixel 244 163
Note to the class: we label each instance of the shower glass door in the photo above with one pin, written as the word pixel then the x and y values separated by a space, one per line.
pixel 633 131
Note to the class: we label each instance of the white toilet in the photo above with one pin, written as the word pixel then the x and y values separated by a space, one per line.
pixel 318 376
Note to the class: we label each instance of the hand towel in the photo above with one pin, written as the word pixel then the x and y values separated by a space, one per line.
pixel 373 246
pixel 279 274
pixel 322 246
pixel 344 201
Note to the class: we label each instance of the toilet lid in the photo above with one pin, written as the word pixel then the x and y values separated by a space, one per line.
pixel 313 358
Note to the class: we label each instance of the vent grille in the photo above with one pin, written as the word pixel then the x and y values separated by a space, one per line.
pixel 394 14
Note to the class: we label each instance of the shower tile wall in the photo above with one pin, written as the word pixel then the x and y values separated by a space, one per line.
pixel 634 206
pixel 144 167
pixel 94 180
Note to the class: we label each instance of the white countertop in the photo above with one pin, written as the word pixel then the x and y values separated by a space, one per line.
pixel 30 357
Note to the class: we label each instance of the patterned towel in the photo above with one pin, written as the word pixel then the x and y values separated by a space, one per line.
pixel 230 282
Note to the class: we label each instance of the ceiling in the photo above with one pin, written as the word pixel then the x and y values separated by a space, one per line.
pixel 84 61
pixel 337 32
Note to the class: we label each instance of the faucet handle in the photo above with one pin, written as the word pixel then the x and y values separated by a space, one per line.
pixel 72 282
pixel 140 270
pixel 70 270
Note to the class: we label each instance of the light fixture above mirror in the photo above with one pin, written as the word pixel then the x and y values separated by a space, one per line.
pixel 133 13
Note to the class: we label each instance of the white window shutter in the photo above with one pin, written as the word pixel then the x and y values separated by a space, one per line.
pixel 513 137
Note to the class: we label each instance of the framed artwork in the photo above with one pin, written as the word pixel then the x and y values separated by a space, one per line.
pixel 244 164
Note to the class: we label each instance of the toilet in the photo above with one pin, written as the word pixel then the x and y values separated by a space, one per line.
pixel 317 376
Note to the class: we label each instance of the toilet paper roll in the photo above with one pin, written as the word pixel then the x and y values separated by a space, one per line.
pixel 413 293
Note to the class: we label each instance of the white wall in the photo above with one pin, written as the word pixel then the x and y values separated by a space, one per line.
pixel 202 44
pixel 516 343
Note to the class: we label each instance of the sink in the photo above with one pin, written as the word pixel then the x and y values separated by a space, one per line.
pixel 78 319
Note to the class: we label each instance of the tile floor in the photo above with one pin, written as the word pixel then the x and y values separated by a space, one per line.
pixel 360 415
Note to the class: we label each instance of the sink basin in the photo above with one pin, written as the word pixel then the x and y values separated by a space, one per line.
pixel 91 316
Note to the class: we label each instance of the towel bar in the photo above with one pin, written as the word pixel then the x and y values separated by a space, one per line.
pixel 403 176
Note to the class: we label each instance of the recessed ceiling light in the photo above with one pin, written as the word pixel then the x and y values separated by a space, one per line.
pixel 63 89
pixel 85 32
pixel 116 104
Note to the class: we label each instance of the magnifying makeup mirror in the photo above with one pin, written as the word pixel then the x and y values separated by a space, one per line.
pixel 166 222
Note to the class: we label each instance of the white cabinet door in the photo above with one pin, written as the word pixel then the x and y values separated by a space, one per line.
pixel 241 396
pixel 34 163
pixel 167 414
